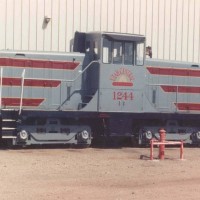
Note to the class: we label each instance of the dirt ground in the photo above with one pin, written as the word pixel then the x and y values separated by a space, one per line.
pixel 111 174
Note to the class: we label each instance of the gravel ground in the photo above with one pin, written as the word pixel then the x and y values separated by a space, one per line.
pixel 111 174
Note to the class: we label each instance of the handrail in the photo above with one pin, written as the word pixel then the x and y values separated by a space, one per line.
pixel 72 80
pixel 94 61
pixel 22 91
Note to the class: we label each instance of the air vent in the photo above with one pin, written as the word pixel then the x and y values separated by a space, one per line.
pixel 194 65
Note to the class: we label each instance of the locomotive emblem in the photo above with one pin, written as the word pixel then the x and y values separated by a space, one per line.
pixel 122 77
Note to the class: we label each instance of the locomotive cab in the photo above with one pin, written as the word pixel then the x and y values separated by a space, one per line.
pixel 111 48
pixel 121 60
pixel 114 80
pixel 117 58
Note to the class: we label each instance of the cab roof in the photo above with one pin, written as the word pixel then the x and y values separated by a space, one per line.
pixel 120 36
pixel 124 36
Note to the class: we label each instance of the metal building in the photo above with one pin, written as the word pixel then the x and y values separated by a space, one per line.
pixel 172 27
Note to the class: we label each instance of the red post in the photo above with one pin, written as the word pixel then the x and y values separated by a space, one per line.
pixel 181 151
pixel 162 134
pixel 151 150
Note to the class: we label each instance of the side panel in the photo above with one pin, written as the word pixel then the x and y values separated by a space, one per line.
pixel 173 87
pixel 121 88
pixel 49 81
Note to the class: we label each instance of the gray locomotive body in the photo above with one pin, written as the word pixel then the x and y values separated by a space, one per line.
pixel 103 89
pixel 172 88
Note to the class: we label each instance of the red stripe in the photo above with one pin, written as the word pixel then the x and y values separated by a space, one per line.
pixel 181 89
pixel 188 106
pixel 25 102
pixel 30 82
pixel 39 64
pixel 122 84
pixel 173 71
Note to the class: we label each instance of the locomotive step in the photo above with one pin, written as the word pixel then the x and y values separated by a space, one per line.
pixel 8 109
pixel 8 120
pixel 9 137
pixel 8 128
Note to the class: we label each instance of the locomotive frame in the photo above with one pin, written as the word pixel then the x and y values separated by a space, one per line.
pixel 103 89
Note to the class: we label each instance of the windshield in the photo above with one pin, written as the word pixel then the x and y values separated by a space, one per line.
pixel 121 52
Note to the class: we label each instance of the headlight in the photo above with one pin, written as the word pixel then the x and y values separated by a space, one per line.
pixel 148 135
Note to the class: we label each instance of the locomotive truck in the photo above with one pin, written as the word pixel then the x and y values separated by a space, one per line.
pixel 103 89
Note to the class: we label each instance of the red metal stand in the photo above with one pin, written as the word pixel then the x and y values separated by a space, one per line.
pixel 155 142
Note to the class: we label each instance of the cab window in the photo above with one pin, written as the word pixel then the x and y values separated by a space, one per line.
pixel 139 54
pixel 112 51
pixel 95 50
pixel 117 52
pixel 107 51
pixel 128 53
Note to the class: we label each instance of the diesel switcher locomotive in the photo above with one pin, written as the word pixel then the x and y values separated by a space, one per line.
pixel 103 88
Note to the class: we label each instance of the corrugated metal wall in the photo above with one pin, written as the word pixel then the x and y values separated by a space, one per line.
pixel 172 27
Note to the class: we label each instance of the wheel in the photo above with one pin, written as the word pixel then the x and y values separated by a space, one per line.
pixel 198 135
pixel 23 135
pixel 85 135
